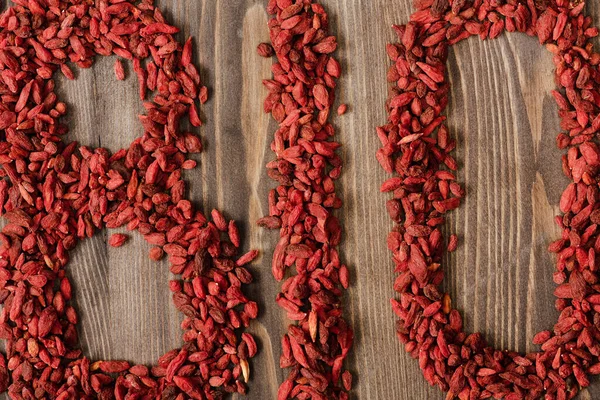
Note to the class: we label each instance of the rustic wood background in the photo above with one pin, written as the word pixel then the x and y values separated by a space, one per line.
pixel 505 121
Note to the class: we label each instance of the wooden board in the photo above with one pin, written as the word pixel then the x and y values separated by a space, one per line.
pixel 501 113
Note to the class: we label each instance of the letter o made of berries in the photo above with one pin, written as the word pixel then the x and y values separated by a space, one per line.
pixel 54 194
pixel 416 147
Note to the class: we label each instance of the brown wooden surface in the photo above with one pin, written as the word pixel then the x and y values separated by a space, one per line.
pixel 504 119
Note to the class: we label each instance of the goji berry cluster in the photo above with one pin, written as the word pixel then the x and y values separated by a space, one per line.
pixel 54 194
pixel 416 146
pixel 300 98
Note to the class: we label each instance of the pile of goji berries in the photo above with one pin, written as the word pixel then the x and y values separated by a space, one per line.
pixel 300 98
pixel 53 194
pixel 416 147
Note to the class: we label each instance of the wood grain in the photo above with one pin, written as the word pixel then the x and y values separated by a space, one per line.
pixel 505 122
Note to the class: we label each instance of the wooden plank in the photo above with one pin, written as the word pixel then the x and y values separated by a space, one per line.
pixel 505 122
